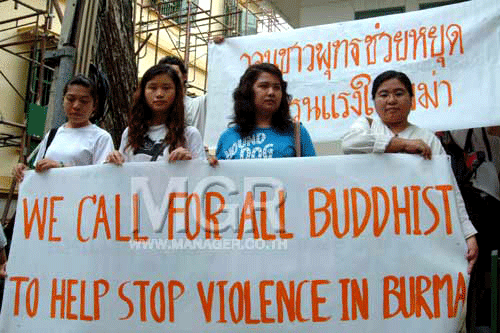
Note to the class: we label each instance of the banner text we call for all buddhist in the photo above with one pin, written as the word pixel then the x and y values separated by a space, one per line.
pixel 189 247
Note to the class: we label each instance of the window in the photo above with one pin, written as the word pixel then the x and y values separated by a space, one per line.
pixel 248 23
pixel 33 92
pixel 177 10
pixel 238 21
pixel 438 4
pixel 37 99
pixel 378 12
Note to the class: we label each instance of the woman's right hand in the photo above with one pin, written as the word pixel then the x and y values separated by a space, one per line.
pixel 180 154
pixel 115 157
pixel 18 171
pixel 418 147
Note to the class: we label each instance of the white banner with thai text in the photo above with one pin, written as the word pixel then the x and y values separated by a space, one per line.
pixel 450 53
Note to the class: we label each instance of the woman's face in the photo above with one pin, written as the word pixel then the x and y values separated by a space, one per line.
pixel 78 105
pixel 393 102
pixel 267 94
pixel 159 93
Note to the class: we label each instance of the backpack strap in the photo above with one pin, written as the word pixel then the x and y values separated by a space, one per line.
pixel 298 146
pixel 370 121
pixel 487 144
pixel 468 141
pixel 52 134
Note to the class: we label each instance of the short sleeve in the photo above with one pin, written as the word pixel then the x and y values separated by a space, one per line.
pixel 194 143
pixel 103 147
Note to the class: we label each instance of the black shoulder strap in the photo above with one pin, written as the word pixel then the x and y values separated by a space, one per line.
pixel 370 121
pixel 297 139
pixel 52 134
pixel 487 144
pixel 468 142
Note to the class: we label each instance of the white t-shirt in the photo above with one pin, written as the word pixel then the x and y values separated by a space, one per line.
pixel 153 142
pixel 77 146
pixel 364 138
pixel 196 109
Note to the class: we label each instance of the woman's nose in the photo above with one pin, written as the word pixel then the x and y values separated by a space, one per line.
pixel 76 104
pixel 391 98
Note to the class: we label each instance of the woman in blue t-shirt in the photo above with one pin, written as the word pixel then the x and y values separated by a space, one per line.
pixel 262 126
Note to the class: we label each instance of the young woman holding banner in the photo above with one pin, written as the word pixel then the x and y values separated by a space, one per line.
pixel 78 142
pixel 391 132
pixel 263 125
pixel 156 122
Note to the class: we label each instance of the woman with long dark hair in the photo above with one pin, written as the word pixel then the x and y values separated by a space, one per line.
pixel 262 126
pixel 156 122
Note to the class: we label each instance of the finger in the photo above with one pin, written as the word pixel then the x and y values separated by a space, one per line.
pixel 213 162
pixel 429 152
pixel 425 151
pixel 426 154
pixel 117 159
pixel 173 156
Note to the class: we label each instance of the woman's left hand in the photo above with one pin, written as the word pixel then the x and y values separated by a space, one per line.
pixel 472 252
pixel 46 164
pixel 180 154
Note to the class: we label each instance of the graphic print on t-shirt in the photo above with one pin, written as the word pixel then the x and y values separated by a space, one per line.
pixel 150 148
pixel 251 147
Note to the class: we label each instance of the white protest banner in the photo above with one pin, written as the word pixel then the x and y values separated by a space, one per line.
pixel 450 53
pixel 328 244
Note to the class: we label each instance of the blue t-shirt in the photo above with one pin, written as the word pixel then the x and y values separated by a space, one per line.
pixel 262 143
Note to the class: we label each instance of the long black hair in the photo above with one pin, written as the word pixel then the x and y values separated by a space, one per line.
pixel 140 114
pixel 245 113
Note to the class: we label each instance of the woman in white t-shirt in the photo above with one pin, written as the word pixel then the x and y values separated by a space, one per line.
pixel 157 128
pixel 77 142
